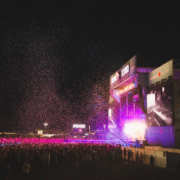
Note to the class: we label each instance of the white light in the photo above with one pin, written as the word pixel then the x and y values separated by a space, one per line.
pixel 40 131
pixel 109 112
pixel 150 100
pixel 79 126
pixel 45 124
pixel 135 130
pixel 162 89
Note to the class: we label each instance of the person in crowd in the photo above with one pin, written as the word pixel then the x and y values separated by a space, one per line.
pixel 25 168
pixel 124 153
pixel 48 157
pixel 113 155
pixel 43 158
pixel 137 157
pixel 117 155
pixel 93 157
pixel 129 156
pixel 120 154
pixel 141 158
pixel 76 159
pixel 97 157
pixel 55 157
pixel 6 171
pixel 152 162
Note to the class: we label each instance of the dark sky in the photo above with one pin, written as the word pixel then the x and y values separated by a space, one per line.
pixel 54 53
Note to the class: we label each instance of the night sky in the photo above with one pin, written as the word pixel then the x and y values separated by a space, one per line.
pixel 57 56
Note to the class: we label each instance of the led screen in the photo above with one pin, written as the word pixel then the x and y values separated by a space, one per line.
pixel 159 106
pixel 150 100
pixel 112 119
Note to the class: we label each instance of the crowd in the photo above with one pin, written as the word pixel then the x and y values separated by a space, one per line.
pixel 19 156
pixel 45 153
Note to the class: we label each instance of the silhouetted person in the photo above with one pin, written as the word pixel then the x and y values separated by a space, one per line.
pixel 137 157
pixel 129 156
pixel 124 153
pixel 152 162
pixel 6 171
pixel 120 154
pixel 141 159
pixel 25 167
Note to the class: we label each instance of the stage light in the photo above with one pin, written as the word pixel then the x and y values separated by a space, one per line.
pixel 135 130
pixel 109 112
pixel 125 89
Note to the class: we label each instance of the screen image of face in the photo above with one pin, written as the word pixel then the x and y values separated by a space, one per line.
pixel 159 107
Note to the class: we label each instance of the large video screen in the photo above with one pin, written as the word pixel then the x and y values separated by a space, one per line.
pixel 160 106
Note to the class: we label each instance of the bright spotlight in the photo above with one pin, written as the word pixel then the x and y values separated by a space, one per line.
pixel 135 130
pixel 109 112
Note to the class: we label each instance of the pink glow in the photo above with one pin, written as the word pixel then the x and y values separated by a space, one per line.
pixel 40 141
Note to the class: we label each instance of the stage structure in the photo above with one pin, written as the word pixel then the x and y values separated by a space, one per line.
pixel 144 103
pixel 127 113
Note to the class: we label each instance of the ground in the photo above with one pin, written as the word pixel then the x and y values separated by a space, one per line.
pixel 123 171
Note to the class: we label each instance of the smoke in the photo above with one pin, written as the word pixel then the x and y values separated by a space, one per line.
pixel 41 102
pixel 33 74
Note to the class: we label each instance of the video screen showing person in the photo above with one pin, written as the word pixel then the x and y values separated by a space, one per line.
pixel 159 106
